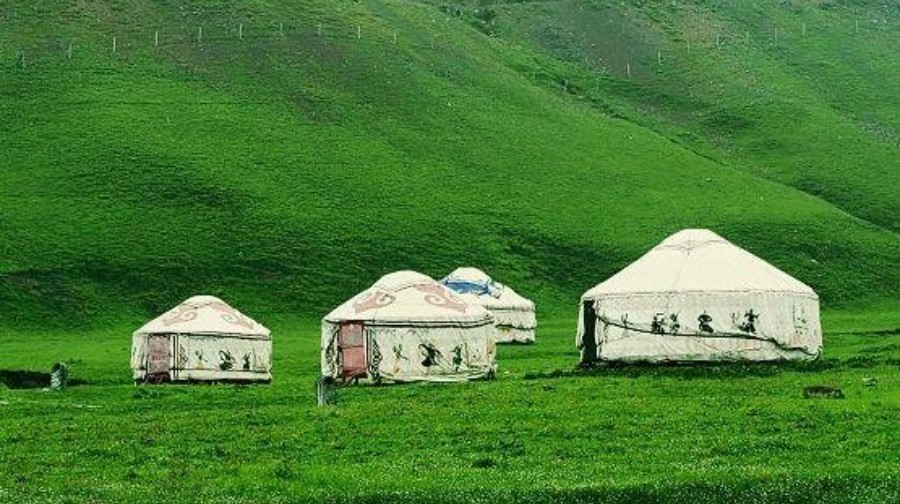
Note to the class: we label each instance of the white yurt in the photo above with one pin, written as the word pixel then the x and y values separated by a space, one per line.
pixel 514 318
pixel 201 339
pixel 408 327
pixel 698 297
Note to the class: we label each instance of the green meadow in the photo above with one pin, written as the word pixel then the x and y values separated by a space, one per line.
pixel 285 155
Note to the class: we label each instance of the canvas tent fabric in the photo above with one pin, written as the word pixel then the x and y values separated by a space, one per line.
pixel 408 327
pixel 698 297
pixel 514 315
pixel 203 338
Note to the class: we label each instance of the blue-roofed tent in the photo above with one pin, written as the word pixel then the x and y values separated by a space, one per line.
pixel 514 317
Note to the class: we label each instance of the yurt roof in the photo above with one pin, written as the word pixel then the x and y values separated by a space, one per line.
pixel 698 260
pixel 204 315
pixel 408 297
pixel 477 286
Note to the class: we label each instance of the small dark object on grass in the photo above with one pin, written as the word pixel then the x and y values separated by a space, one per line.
pixel 484 463
pixel 870 382
pixel 822 391
pixel 59 376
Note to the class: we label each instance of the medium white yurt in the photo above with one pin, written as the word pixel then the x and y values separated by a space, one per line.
pixel 514 318
pixel 408 327
pixel 201 339
pixel 698 297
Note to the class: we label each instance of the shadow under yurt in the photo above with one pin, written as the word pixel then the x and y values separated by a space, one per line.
pixel 408 327
pixel 202 339
pixel 514 315
pixel 698 297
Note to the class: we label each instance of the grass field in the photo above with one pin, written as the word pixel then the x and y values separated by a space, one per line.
pixel 540 432
pixel 284 155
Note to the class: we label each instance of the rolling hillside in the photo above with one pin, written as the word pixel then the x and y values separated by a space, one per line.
pixel 285 155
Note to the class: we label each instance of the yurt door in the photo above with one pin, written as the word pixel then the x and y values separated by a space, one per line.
pixel 159 355
pixel 353 351
pixel 588 338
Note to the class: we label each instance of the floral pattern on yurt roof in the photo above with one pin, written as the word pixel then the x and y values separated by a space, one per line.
pixel 204 315
pixel 408 296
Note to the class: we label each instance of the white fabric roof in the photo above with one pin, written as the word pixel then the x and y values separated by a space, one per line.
pixel 204 315
pixel 494 296
pixel 407 297
pixel 698 260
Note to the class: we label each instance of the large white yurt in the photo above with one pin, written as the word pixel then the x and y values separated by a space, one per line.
pixel 408 327
pixel 698 297
pixel 202 339
pixel 514 318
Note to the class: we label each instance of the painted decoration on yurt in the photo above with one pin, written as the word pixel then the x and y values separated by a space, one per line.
pixel 514 315
pixel 203 338
pixel 697 297
pixel 412 329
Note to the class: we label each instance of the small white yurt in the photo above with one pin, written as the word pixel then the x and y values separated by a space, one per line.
pixel 202 339
pixel 514 318
pixel 408 327
pixel 698 297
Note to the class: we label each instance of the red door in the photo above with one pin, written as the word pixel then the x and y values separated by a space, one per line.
pixel 158 357
pixel 353 351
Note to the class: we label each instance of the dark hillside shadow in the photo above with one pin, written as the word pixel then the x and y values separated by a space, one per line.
pixel 21 379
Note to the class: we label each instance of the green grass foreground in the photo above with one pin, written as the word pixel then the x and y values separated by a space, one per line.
pixel 540 432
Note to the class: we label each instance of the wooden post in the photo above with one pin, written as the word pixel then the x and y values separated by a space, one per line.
pixel 395 37
pixel 659 58
pixel 156 38
pixel 628 69
pixel 281 29
pixel 241 31
pixel 69 51
pixel 326 391
pixel 114 44
pixel 199 34
pixel 776 34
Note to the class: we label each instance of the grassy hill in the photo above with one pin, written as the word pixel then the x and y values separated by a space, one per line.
pixel 339 140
